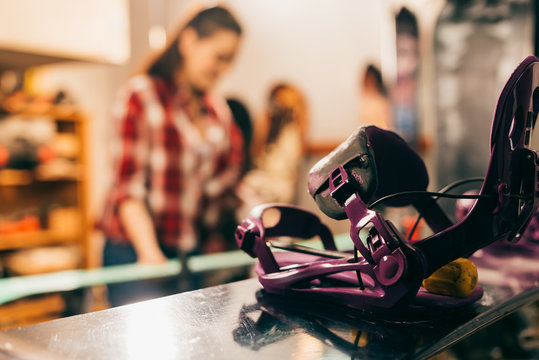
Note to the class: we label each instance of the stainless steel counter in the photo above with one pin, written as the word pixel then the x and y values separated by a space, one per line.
pixel 239 321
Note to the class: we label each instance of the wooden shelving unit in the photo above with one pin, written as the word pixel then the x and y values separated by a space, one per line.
pixel 63 192
pixel 31 239
pixel 31 37
pixel 60 200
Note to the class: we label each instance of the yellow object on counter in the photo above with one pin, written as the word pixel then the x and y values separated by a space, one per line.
pixel 458 279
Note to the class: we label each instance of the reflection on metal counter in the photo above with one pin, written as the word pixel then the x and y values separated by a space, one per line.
pixel 421 335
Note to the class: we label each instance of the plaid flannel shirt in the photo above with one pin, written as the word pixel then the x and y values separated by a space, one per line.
pixel 162 159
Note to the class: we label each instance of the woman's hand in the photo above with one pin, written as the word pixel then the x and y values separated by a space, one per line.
pixel 140 229
pixel 152 258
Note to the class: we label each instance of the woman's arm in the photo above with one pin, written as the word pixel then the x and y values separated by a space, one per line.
pixel 139 227
pixel 130 191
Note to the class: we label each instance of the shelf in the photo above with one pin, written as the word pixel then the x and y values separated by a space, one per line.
pixel 31 311
pixel 12 177
pixel 54 112
pixel 35 238
pixel 56 190
pixel 15 59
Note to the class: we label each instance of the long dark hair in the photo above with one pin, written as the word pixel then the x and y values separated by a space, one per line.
pixel 205 23
pixel 280 114
pixel 373 71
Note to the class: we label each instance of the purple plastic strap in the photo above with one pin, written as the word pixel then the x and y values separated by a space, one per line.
pixel 251 234
pixel 383 248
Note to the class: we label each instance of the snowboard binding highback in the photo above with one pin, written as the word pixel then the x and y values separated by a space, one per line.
pixel 376 166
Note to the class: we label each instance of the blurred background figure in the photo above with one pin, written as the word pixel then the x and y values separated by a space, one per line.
pixel 375 107
pixel 243 119
pixel 404 92
pixel 216 232
pixel 178 152
pixel 277 150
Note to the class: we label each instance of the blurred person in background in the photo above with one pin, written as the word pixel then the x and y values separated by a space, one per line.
pixel 219 221
pixel 404 93
pixel 278 149
pixel 177 152
pixel 375 106
pixel 242 117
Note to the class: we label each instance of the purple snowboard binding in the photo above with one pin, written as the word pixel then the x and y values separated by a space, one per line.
pixel 385 271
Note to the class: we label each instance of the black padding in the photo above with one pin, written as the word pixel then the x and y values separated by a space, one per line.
pixel 399 168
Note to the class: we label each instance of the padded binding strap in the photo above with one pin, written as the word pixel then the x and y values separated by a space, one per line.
pixel 380 163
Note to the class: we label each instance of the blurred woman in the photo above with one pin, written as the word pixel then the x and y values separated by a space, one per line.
pixel 375 106
pixel 177 150
pixel 278 150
